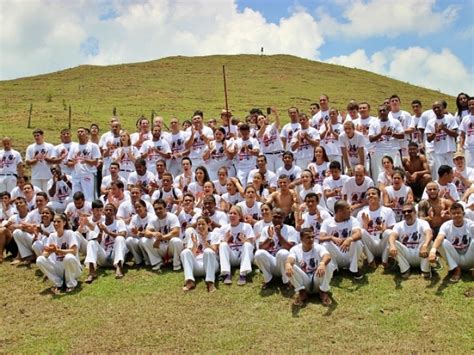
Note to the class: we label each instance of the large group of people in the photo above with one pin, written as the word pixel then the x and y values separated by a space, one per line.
pixel 299 201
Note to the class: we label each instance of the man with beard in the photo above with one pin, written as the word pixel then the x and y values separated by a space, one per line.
pixel 354 189
pixel 155 149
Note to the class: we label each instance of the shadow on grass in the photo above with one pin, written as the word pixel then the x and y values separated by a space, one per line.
pixel 315 299
pixel 48 291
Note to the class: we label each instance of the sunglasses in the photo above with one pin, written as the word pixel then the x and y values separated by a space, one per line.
pixel 407 212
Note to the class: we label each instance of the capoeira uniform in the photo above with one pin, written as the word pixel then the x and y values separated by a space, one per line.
pixel 311 221
pixel 62 195
pixel 234 252
pixel 343 230
pixel 133 240
pixel 199 146
pixel 376 242
pixel 83 176
pixel 60 268
pixel 9 161
pixel 272 261
pixel 304 270
pixel 304 154
pixel 152 148
pixel 410 240
pixel 457 247
pixel 40 173
pixel 272 147
pixel 198 261
pixel 108 251
pixel 158 251
pixel 244 161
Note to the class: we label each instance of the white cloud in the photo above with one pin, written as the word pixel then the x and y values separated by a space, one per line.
pixel 421 66
pixel 71 33
pixel 377 18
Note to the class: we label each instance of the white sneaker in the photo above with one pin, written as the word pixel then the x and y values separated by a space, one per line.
pixel 157 267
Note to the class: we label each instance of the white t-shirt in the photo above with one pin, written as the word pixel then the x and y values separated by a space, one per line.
pixel 165 225
pixel 411 236
pixel 81 152
pixel 141 180
pixel 341 230
pixel 218 217
pixel 321 171
pixel 444 189
pixel 253 211
pixel 73 213
pixel 399 197
pixel 382 215
pixel 66 241
pixel 40 170
pixel 352 146
pixel 108 242
pixel 9 160
pixel 362 125
pixel 241 231
pixel 319 119
pixel 140 224
pixel 442 142
pixel 199 146
pixel 468 173
pixel 308 261
pixel 356 193
pixel 293 173
pixel 125 157
pixel 152 147
pixel 467 126
pixel 127 209
pixel 406 121
pixel 185 219
pixel 244 160
pixel 459 237
pixel 63 191
pixel 212 238
pixel 287 232
pixel 61 149
pixel 305 150
pixel 387 143
pixel 330 143
pixel 232 199
pixel 270 141
pixel 311 221
pixel 288 131
pixel 270 178
pixel 330 184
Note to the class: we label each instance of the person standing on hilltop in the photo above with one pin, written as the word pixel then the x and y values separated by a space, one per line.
pixel 39 156
pixel 11 166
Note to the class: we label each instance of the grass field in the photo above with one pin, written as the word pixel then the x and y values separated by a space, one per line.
pixel 146 312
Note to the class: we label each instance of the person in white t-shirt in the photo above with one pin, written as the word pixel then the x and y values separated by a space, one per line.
pixel 161 239
pixel 246 151
pixel 322 115
pixel 84 157
pixel 108 248
pixel 275 241
pixel 442 131
pixel 455 243
pixel 62 150
pixel 309 269
pixel 466 129
pixel 11 166
pixel 333 184
pixel 236 247
pixel 329 133
pixel 289 130
pixel 270 141
pixel 198 136
pixel 155 149
pixel 341 236
pixel 355 188
pixel 353 147
pixel 405 119
pixel 376 221
pixel 59 189
pixel 108 142
pixel 60 259
pixel 463 175
pixel 304 141
pixel 409 242
pixel 199 258
pixel 143 133
pixel 39 156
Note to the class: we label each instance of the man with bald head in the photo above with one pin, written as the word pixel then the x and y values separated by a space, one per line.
pixel 355 188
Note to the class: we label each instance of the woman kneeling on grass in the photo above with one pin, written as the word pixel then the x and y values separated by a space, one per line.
pixel 200 256
pixel 60 259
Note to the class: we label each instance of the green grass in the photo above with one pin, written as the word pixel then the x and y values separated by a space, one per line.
pixel 145 312
pixel 149 312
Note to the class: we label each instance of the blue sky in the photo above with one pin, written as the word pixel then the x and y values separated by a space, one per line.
pixel 426 42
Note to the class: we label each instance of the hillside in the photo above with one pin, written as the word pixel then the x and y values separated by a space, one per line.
pixel 177 86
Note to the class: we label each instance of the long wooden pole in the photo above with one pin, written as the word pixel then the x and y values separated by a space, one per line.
pixel 226 102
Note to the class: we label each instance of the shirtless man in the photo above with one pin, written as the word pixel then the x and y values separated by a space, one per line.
pixel 417 170
pixel 285 199
pixel 435 209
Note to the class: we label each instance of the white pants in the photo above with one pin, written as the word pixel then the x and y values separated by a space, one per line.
pixel 135 247
pixel 310 282
pixel 454 258
pixel 303 163
pixel 242 175
pixel 82 243
pixel 203 265
pixel 274 161
pixel 376 161
pixel 242 257
pixel 86 184
pixel 156 255
pixel 24 241
pixel 7 182
pixel 345 259
pixel 57 271
pixel 407 257
pixel 41 184
pixel 375 247
pixel 272 265
pixel 440 159
pixel 97 255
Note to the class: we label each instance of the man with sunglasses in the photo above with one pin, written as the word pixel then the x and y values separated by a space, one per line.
pixel 409 242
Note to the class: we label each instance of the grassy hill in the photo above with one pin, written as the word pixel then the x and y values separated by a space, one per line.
pixel 177 86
